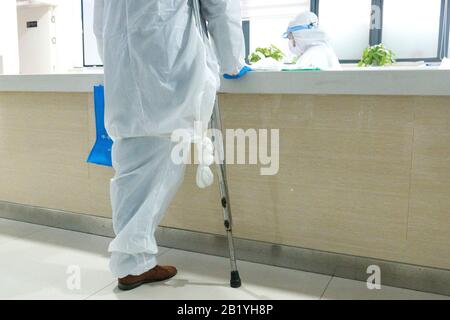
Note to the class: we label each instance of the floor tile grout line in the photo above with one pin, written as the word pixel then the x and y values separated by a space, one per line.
pixel 326 287
pixel 99 290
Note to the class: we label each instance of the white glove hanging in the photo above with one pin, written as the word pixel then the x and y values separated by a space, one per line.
pixel 205 151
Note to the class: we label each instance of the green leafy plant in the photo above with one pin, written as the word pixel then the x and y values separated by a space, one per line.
pixel 377 55
pixel 269 52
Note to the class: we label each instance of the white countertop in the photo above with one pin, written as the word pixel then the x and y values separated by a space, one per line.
pixel 429 81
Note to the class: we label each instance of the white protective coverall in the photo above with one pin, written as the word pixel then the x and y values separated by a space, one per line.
pixel 311 45
pixel 160 76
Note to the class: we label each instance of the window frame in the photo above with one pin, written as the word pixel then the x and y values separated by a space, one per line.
pixel 376 35
pixel 246 31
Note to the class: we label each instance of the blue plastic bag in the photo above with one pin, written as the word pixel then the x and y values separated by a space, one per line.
pixel 101 152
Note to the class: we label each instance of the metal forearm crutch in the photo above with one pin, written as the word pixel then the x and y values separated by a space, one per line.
pixel 216 123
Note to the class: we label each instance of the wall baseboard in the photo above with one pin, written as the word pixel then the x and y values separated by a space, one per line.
pixel 340 265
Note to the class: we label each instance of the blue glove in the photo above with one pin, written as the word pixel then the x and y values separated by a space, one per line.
pixel 241 73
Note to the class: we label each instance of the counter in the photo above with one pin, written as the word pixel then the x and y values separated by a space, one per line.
pixel 425 82
pixel 364 160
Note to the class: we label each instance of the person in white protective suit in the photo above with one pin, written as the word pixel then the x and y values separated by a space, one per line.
pixel 160 76
pixel 310 44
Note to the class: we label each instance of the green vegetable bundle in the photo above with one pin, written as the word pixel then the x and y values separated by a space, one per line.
pixel 269 52
pixel 377 55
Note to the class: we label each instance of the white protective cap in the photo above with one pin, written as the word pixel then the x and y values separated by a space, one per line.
pixel 304 18
pixel 306 38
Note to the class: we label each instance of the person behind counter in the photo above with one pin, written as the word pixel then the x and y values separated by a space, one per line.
pixel 309 44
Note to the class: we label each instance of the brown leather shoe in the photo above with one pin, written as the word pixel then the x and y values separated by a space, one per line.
pixel 158 273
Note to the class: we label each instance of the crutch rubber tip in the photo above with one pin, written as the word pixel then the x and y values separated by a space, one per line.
pixel 235 281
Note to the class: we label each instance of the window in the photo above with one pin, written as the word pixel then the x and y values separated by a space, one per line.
pixel 347 22
pixel 90 51
pixel 413 29
pixel 415 32
pixel 268 20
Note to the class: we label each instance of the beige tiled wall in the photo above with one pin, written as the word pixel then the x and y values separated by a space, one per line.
pixel 363 175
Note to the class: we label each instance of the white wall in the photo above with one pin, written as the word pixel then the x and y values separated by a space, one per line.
pixel 37 52
pixel 9 44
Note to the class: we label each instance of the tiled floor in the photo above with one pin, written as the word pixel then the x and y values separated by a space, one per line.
pixel 45 263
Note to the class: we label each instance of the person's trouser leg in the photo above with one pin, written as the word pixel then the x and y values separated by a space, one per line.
pixel 145 182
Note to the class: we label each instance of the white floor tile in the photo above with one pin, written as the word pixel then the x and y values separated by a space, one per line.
pixel 35 261
pixel 344 289
pixel 37 267
pixel 40 265
pixel 11 230
pixel 207 277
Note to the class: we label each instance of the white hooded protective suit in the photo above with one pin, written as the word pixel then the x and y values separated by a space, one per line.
pixel 160 76
pixel 311 45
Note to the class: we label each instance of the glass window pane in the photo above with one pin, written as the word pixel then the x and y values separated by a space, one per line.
pixel 91 56
pixel 411 27
pixel 267 31
pixel 269 20
pixel 347 22
pixel 273 8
